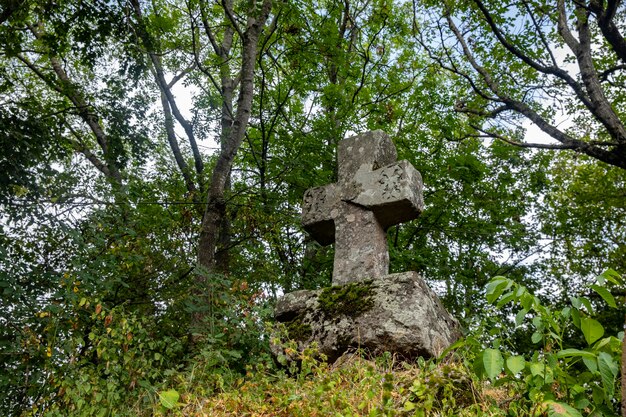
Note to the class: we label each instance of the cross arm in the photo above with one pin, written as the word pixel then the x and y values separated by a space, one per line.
pixel 318 210
pixel 394 193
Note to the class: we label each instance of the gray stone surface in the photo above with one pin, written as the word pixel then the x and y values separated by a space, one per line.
pixel 373 193
pixel 397 313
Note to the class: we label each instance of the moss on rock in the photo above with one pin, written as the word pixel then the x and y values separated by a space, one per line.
pixel 298 330
pixel 351 299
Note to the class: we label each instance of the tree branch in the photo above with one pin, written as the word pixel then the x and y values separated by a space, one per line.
pixel 207 29
pixel 606 22
pixel 80 147
pixel 496 135
pixel 182 74
pixel 69 90
pixel 228 9
pixel 549 70
pixel 164 87
pixel 601 108
pixel 544 41
pixel 604 75
pixel 173 142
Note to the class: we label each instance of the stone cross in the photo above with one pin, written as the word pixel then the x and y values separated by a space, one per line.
pixel 374 192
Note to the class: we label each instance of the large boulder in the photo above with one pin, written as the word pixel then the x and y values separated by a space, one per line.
pixel 397 313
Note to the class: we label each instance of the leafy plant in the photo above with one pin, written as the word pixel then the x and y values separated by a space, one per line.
pixel 563 378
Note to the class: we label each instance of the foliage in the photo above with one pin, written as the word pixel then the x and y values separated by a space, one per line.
pixel 555 66
pixel 119 357
pixel 554 379
pixel 51 56
pixel 557 378
pixel 563 372
pixel 108 308
pixel 98 360
pixel 357 386
pixel 462 237
pixel 576 187
pixel 27 156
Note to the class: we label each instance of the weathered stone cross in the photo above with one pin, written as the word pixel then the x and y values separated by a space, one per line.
pixel 374 192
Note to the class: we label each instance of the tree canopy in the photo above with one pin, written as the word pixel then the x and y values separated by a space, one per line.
pixel 559 66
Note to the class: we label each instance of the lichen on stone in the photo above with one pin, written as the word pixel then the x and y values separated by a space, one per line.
pixel 350 299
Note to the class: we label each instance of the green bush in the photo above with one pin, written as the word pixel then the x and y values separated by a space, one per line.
pixel 96 374
pixel 564 379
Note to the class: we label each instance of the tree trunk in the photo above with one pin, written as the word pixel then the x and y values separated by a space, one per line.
pixel 215 212
pixel 222 258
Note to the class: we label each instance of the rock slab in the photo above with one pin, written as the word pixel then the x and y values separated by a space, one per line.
pixel 396 313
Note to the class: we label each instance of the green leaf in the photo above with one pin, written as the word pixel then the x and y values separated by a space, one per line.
pixel 559 409
pixel 496 287
pixel 409 406
pixel 587 304
pixel 610 275
pixel 605 294
pixel 575 302
pixel 527 301
pixel 537 368
pixel 591 364
pixel 478 366
pixel 519 317
pixel 515 364
pixel 169 398
pixel 608 372
pixel 592 329
pixel 612 342
pixel 598 395
pixel 493 362
pixel 536 337
pixel 506 298
pixel 601 280
pixel 566 353
pixel 576 317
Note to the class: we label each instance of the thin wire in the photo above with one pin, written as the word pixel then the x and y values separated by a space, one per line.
pixel 94 203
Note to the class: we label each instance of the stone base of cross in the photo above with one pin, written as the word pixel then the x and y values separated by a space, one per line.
pixel 373 193
pixel 396 313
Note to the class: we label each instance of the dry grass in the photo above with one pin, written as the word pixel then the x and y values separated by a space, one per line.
pixel 354 386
